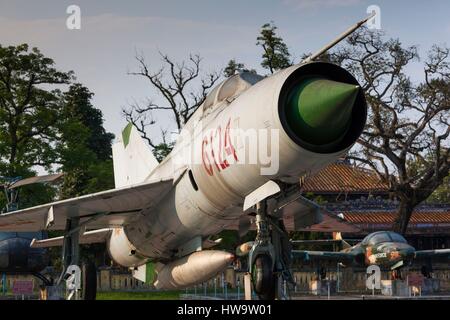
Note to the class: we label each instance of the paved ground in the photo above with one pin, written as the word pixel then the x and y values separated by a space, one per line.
pixel 297 296
pixel 370 297
pixel 240 297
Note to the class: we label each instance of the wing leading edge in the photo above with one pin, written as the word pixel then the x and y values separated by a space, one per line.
pixel 107 209
pixel 304 255
pixel 437 254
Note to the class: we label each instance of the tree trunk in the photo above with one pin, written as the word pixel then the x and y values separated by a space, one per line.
pixel 403 215
pixel 13 153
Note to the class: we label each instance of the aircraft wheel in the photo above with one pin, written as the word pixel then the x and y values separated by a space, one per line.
pixel 263 278
pixel 89 281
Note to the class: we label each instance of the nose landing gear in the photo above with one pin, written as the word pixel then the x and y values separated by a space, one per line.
pixel 270 256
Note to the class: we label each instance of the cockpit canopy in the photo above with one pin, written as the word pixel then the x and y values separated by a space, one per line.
pixel 383 236
pixel 231 87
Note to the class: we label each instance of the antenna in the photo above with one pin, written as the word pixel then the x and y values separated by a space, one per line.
pixel 338 39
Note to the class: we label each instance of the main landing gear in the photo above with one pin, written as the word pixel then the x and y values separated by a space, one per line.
pixel 270 256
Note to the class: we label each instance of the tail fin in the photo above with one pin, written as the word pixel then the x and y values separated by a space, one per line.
pixel 132 158
pixel 338 236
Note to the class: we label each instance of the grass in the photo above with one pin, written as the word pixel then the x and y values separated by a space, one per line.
pixel 154 295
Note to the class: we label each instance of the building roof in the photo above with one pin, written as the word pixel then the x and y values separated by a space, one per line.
pixel 344 178
pixel 383 217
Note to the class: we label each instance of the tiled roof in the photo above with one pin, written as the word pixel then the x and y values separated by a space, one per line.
pixel 388 217
pixel 344 178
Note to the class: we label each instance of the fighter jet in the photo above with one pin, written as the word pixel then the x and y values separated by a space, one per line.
pixel 160 218
pixel 386 249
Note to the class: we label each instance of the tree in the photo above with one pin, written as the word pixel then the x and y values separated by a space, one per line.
pixel 442 193
pixel 30 103
pixel 176 87
pixel 232 68
pixel 406 139
pixel 276 55
pixel 85 146
pixel 28 113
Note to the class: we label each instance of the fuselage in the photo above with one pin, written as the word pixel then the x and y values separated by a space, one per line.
pixel 223 168
pixel 385 249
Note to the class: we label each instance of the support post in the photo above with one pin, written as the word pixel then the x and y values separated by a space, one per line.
pixel 247 286
pixel 71 249
pixel 75 237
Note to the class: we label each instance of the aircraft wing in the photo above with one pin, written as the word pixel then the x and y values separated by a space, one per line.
pixel 94 236
pixel 317 242
pixel 304 255
pixel 39 179
pixel 298 214
pixel 301 214
pixel 438 254
pixel 106 209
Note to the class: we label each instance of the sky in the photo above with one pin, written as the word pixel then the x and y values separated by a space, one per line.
pixel 102 52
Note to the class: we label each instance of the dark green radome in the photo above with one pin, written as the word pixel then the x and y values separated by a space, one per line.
pixel 319 110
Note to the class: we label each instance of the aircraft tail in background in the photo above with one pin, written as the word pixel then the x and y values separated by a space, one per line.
pixel 338 236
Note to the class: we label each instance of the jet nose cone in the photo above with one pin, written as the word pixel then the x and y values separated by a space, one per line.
pixel 319 110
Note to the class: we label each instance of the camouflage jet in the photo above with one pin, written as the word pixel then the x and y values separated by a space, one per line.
pixel 386 249
pixel 160 218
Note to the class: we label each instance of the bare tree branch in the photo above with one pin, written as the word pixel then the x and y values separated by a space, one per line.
pixel 406 140
pixel 175 83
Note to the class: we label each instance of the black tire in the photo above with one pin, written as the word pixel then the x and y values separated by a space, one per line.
pixel 263 278
pixel 89 281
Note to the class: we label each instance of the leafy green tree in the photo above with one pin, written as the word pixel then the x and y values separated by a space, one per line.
pixel 442 193
pixel 85 146
pixel 30 105
pixel 42 126
pixel 232 68
pixel 28 113
pixel 276 55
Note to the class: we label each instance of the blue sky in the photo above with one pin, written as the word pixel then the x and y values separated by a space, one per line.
pixel 102 52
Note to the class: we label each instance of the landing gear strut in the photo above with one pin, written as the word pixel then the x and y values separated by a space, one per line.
pixel 396 274
pixel 269 258
pixel 71 259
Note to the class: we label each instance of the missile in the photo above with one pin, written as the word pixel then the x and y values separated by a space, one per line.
pixel 193 269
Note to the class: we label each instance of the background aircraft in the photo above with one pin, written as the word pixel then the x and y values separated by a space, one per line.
pixel 386 249
pixel 16 255
pixel 159 219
